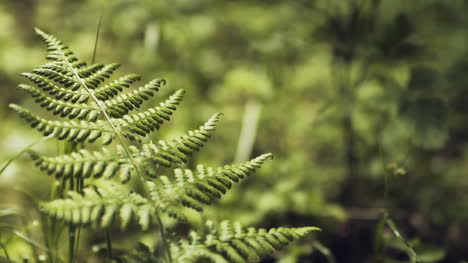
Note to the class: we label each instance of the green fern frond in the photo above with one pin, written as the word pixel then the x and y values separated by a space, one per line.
pixel 57 91
pixel 167 153
pixel 69 88
pixel 95 79
pixel 108 163
pixel 100 206
pixel 143 123
pixel 232 243
pixel 65 79
pixel 84 164
pixel 89 70
pixel 79 111
pixel 112 89
pixel 202 187
pixel 67 130
pixel 124 103
pixel 72 83
pixel 57 51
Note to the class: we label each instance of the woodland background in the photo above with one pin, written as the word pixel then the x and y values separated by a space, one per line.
pixel 362 102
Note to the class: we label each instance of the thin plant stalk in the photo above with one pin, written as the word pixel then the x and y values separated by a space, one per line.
pixel 5 251
pixel 163 238
pixel 25 149
pixel 248 131
pixel 109 244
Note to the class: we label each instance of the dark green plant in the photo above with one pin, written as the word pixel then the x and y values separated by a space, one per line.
pixel 123 181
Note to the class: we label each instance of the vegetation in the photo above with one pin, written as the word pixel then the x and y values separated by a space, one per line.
pixel 85 193
pixel 362 103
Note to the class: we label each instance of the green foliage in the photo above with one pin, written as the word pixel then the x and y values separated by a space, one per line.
pixel 103 200
pixel 100 204
pixel 195 189
pixel 110 162
pixel 230 242
pixel 285 60
pixel 102 112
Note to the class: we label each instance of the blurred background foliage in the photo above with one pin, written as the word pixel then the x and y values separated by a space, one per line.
pixel 362 102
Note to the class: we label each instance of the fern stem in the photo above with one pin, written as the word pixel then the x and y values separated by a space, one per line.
pixel 79 189
pixel 163 238
pixel 23 151
pixel 108 244
pixel 73 236
pixel 71 243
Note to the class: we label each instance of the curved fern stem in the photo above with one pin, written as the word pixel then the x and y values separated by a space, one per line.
pixel 163 237
pixel 25 149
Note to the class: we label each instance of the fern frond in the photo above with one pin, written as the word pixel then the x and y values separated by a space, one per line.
pixel 195 189
pixel 79 111
pixel 57 91
pixel 168 153
pixel 89 70
pixel 57 51
pixel 100 206
pixel 84 164
pixel 144 123
pixel 112 89
pixel 122 104
pixel 61 54
pixel 65 79
pixel 67 130
pixel 95 79
pixel 108 163
pixel 232 243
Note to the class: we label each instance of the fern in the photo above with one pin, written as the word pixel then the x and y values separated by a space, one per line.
pixel 202 187
pixel 229 242
pixel 88 110
pixel 100 204
pixel 190 190
pixel 107 162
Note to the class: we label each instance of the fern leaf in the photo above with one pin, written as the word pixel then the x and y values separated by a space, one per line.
pixel 109 163
pixel 167 153
pixel 197 189
pixel 64 109
pixel 57 51
pixel 144 123
pixel 67 130
pixel 229 242
pixel 112 89
pixel 57 91
pixel 95 79
pixel 65 79
pixel 83 164
pixel 100 206
pixel 89 70
pixel 122 104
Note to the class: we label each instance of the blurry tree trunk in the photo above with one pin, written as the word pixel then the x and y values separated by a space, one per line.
pixel 350 186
